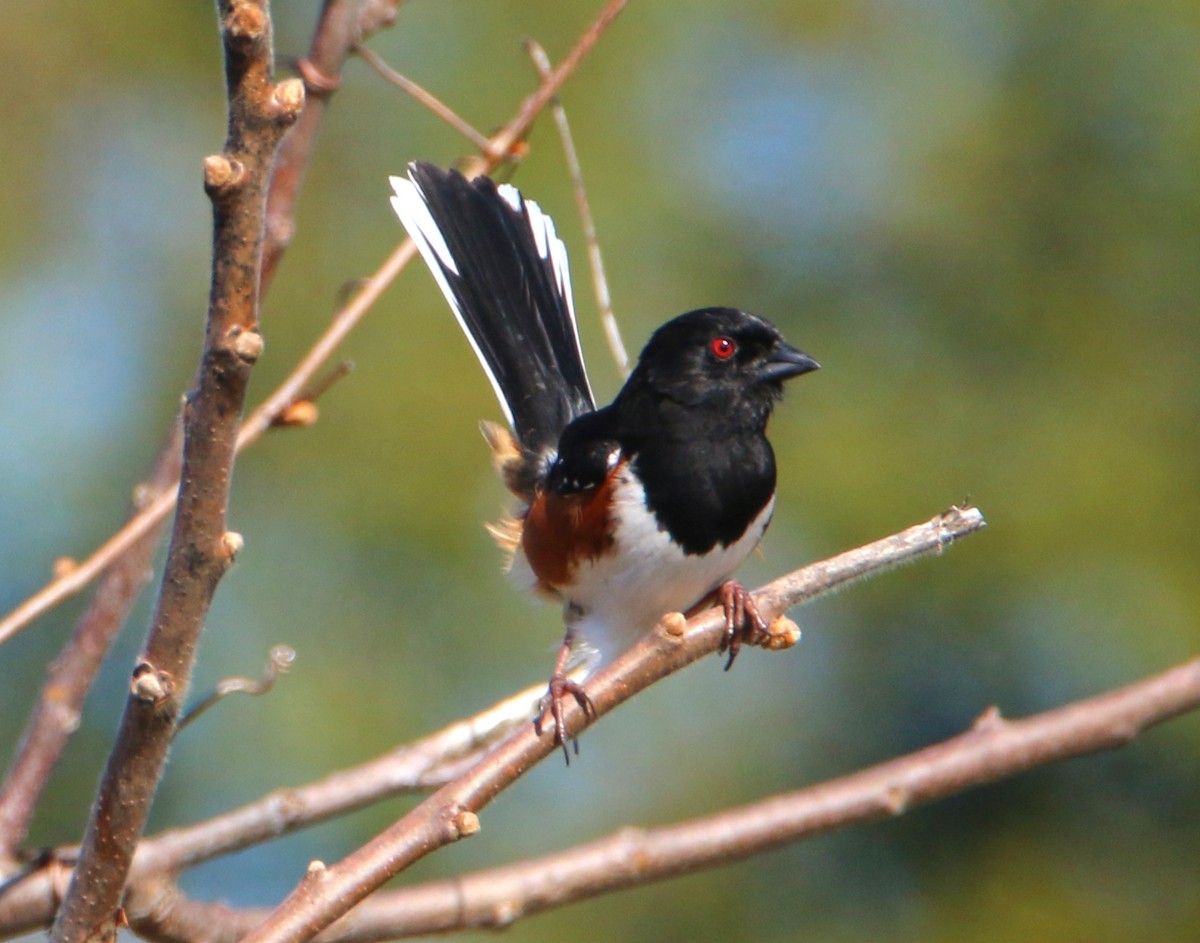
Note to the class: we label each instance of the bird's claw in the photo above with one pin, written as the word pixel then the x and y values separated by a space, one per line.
pixel 743 621
pixel 559 689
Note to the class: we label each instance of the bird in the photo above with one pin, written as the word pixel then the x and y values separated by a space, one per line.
pixel 628 511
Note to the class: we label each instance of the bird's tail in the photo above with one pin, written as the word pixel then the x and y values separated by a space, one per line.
pixel 498 261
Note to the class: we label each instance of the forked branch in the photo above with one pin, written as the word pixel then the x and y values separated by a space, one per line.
pixel 993 749
pixel 452 813
pixel 502 145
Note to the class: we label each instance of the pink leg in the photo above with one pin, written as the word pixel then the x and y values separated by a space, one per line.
pixel 552 704
pixel 743 622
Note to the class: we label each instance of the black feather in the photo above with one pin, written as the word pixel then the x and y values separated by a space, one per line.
pixel 509 299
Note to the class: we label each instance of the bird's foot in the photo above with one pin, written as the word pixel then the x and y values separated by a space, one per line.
pixel 743 622
pixel 560 688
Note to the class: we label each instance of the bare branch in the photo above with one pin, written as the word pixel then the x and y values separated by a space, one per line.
pixel 29 899
pixel 154 685
pixel 430 762
pixel 201 548
pixel 65 585
pixel 279 661
pixel 416 767
pixel 510 134
pixel 450 814
pixel 612 330
pixel 425 97
pixel 342 24
pixel 56 715
pixel 288 392
pixel 993 749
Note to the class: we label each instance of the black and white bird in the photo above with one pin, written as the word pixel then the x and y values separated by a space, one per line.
pixel 645 506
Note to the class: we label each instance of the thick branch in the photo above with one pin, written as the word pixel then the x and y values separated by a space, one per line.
pixel 993 749
pixel 201 550
pixel 31 902
pixel 328 892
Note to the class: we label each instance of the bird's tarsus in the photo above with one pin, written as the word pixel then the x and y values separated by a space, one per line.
pixel 743 621
pixel 559 689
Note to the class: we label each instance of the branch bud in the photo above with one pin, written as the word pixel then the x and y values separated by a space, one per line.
pixel 63 567
pixel 464 825
pixel 781 634
pixel 288 99
pixel 222 173
pixel 990 720
pixel 149 685
pixel 674 624
pixel 247 344
pixel 302 413
pixel 246 21
pixel 143 494
pixel 231 545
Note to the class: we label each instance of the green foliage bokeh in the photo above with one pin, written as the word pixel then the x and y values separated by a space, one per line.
pixel 983 219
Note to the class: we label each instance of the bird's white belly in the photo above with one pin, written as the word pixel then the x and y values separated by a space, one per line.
pixel 620 596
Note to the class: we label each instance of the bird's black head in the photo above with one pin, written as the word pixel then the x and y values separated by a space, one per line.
pixel 718 359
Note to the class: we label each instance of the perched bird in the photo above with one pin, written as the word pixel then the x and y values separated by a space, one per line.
pixel 643 507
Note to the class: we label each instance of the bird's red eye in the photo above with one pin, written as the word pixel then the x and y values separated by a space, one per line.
pixel 722 347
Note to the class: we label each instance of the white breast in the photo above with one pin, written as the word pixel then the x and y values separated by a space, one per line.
pixel 620 596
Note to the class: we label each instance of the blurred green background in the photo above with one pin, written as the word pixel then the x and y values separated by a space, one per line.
pixel 982 218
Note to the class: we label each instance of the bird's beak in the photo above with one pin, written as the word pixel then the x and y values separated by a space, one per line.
pixel 785 362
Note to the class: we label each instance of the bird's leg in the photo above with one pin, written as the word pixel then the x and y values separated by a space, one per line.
pixel 552 704
pixel 743 621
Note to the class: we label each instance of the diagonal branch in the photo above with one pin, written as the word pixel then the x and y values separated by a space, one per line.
pixel 433 761
pixel 423 765
pixel 993 749
pixel 201 549
pixel 342 25
pixel 415 767
pixel 327 893
pixel 502 145
pixel 56 715
pixel 425 97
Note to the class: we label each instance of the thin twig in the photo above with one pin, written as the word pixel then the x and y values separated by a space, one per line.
pixel 425 97
pixel 278 662
pixel 342 23
pixel 510 134
pixel 56 714
pixel 612 330
pixel 348 318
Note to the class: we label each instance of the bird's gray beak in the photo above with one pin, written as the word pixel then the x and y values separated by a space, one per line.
pixel 785 362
